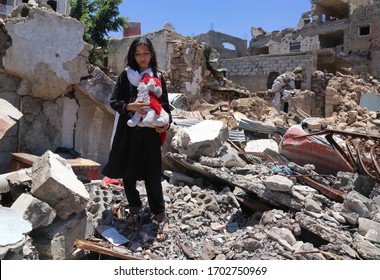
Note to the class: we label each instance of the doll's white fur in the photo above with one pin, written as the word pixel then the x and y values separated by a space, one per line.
pixel 148 87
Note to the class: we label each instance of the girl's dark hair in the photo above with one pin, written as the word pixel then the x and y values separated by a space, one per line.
pixel 132 50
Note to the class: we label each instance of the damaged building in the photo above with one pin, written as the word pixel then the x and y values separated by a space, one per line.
pixel 231 192
pixel 335 34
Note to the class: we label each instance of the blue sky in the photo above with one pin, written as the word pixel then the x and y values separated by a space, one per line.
pixel 194 17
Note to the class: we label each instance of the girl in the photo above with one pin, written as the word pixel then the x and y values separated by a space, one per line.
pixel 136 152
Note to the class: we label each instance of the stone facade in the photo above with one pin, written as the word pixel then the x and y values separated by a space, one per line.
pixel 255 72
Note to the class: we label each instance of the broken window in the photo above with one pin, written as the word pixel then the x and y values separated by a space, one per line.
pixel 364 30
pixel 229 50
pixel 229 46
pixel 53 5
pixel 295 46
pixel 258 51
pixel 334 10
pixel 331 40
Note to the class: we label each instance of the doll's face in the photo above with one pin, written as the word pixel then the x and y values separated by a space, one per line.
pixel 143 56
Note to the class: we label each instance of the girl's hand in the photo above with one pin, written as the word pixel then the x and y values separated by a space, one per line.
pixel 161 129
pixel 138 106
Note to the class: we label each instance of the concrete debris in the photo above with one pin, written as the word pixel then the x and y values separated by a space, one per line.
pixel 54 182
pixel 13 233
pixel 54 204
pixel 204 138
pixel 55 63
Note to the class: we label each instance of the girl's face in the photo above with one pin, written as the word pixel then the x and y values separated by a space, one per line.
pixel 143 56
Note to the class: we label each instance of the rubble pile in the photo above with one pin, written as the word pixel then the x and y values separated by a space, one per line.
pixel 223 201
pixel 220 206
pixel 253 108
pixel 51 203
pixel 216 222
pixel 343 95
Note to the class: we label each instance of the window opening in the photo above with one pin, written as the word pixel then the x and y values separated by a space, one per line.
pixel 53 5
pixel 295 46
pixel 364 30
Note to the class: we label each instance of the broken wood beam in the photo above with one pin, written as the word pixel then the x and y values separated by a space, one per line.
pixel 330 192
pixel 95 247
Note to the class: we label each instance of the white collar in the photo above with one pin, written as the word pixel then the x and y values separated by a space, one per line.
pixel 135 77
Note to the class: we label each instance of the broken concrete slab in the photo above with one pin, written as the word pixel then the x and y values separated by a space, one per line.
pixel 367 250
pixel 278 183
pixel 4 184
pixel 7 109
pixel 54 182
pixel 54 62
pixel 56 241
pixel 369 229
pixel 31 209
pixel 13 231
pixel 19 181
pixel 202 139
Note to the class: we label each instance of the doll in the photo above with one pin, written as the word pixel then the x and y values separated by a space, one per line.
pixel 149 90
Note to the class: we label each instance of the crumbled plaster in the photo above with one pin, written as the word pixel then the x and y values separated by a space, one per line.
pixel 194 86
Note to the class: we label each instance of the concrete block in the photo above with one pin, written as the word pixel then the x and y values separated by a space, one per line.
pixel 54 182
pixel 31 209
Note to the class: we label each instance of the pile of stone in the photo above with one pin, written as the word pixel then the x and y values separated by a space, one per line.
pixel 209 222
pixel 219 207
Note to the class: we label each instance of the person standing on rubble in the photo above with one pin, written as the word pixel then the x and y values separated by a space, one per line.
pixel 136 151
pixel 282 87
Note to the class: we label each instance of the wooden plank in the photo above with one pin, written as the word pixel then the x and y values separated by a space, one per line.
pixel 81 166
pixel 96 247
pixel 28 159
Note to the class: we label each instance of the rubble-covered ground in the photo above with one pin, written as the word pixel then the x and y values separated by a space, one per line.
pixel 223 201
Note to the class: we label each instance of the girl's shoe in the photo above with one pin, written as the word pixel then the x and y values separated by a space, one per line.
pixel 162 222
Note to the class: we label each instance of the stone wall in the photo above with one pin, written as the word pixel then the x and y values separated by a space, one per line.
pixel 375 40
pixel 10 141
pixel 252 72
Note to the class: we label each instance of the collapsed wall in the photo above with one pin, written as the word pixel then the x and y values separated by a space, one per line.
pixel 44 73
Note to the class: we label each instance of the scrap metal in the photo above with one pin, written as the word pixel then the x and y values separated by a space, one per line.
pixel 365 160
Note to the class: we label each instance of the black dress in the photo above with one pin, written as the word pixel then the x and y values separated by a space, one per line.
pixel 136 152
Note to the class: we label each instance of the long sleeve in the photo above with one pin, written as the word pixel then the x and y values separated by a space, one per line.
pixel 164 99
pixel 120 94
